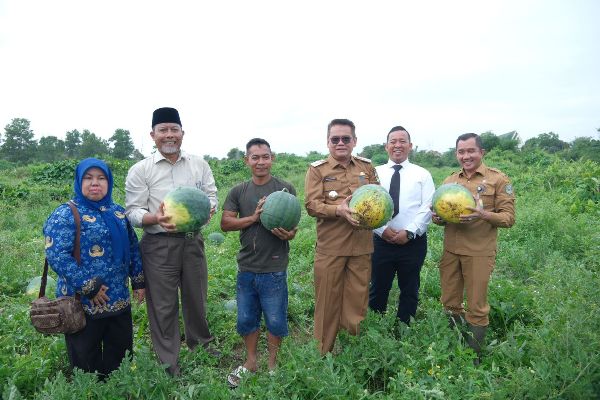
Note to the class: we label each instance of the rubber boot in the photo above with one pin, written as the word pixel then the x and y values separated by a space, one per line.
pixel 456 321
pixel 476 340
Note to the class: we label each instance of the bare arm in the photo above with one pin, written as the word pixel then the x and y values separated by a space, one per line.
pixel 231 222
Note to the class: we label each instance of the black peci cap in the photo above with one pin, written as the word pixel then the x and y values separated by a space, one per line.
pixel 165 114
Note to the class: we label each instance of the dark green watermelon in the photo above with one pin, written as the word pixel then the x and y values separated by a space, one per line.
pixel 280 210
pixel 216 238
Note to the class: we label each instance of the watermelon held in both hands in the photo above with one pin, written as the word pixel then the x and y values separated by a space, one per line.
pixel 451 200
pixel 280 210
pixel 188 207
pixel 372 205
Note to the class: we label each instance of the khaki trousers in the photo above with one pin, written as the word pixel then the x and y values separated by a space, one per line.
pixel 460 273
pixel 173 264
pixel 341 296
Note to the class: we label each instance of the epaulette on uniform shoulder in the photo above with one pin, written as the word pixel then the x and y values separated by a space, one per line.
pixel 317 163
pixel 362 159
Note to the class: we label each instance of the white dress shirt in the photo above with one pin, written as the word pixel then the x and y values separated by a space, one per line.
pixel 149 181
pixel 416 192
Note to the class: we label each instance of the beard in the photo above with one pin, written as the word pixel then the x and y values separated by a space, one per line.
pixel 169 149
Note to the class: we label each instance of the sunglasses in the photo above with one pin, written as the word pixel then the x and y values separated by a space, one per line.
pixel 344 139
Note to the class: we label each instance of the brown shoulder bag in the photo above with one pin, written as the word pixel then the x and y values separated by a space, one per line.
pixel 65 313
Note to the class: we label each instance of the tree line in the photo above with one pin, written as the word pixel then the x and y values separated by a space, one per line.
pixel 18 145
pixel 581 148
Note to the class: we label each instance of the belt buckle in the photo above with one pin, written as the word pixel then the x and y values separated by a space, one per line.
pixel 189 235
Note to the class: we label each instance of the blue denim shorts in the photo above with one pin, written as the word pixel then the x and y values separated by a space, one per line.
pixel 265 294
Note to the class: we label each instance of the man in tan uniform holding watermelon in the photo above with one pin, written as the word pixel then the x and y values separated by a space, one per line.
pixel 470 245
pixel 342 264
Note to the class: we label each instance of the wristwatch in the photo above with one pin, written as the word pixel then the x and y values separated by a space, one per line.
pixel 410 235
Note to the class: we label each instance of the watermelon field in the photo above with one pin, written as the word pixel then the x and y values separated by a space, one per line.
pixel 543 342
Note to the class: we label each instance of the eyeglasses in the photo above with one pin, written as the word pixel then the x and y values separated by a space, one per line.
pixel 344 139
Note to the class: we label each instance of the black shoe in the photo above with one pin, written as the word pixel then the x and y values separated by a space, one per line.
pixel 174 371
pixel 212 351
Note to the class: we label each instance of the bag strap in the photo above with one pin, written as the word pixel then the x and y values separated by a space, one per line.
pixel 76 249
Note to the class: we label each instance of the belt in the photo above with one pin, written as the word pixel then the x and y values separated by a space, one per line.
pixel 417 238
pixel 186 235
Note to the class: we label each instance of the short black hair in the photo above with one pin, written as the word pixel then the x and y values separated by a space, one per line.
pixel 467 136
pixel 395 129
pixel 342 121
pixel 257 142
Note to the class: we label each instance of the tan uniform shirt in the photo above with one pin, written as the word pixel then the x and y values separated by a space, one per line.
pixel 495 191
pixel 326 185
pixel 149 181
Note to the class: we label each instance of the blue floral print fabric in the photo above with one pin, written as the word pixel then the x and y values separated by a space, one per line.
pixel 97 266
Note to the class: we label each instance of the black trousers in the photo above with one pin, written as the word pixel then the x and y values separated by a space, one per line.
pixel 405 262
pixel 101 345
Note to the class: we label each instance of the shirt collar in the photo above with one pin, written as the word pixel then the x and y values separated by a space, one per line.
pixel 390 164
pixel 158 157
pixel 480 170
pixel 334 163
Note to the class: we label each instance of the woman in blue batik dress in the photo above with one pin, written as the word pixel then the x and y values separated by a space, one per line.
pixel 109 256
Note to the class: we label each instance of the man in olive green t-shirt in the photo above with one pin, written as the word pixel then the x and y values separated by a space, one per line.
pixel 262 259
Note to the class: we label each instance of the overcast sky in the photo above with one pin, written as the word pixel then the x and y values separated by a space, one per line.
pixel 282 70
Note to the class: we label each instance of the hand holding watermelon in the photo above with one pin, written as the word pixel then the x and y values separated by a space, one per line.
pixel 343 210
pixel 284 234
pixel 477 213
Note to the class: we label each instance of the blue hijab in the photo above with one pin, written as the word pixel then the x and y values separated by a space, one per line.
pixel 118 233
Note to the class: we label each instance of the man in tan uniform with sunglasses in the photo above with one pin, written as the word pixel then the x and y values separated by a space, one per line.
pixel 342 264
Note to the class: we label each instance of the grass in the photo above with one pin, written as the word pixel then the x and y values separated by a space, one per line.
pixel 543 342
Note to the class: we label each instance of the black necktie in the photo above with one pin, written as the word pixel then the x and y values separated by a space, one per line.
pixel 395 188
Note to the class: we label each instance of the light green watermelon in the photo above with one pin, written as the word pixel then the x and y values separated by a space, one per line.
pixel 188 207
pixel 372 206
pixel 451 200
pixel 280 210
pixel 216 238
pixel 33 287
pixel 231 305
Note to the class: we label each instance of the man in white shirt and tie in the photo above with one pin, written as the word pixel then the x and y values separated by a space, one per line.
pixel 401 244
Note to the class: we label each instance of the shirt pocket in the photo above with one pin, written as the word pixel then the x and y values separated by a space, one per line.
pixel 488 198
pixel 332 192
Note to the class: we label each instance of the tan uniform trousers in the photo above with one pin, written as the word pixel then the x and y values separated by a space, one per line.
pixel 172 264
pixel 460 273
pixel 341 295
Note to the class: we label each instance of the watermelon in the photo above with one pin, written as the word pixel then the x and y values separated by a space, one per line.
pixel 280 210
pixel 33 287
pixel 296 287
pixel 230 305
pixel 216 238
pixel 451 200
pixel 188 207
pixel 372 206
